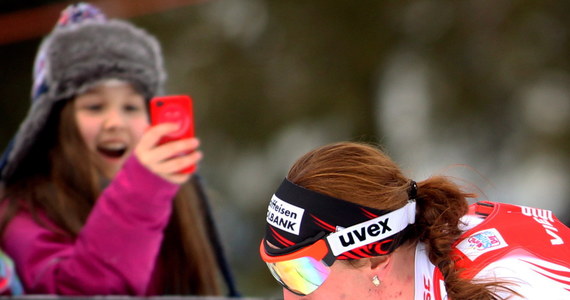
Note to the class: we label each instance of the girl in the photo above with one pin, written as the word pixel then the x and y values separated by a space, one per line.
pixel 92 204
pixel 347 224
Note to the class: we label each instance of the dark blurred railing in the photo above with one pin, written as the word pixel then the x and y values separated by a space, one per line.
pixel 53 297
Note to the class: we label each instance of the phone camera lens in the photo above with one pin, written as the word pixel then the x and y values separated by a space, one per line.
pixel 159 103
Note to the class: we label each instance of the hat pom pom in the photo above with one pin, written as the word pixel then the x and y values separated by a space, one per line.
pixel 80 13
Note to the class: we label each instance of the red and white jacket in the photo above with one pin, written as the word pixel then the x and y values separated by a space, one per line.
pixel 528 247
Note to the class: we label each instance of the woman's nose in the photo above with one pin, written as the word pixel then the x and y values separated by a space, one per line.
pixel 287 295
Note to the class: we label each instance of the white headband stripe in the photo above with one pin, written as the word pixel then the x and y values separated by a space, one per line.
pixel 373 230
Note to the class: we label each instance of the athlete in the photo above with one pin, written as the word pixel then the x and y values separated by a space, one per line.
pixel 347 224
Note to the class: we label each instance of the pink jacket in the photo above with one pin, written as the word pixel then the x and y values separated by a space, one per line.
pixel 115 252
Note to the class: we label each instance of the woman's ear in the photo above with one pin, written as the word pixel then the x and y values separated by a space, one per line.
pixel 376 268
pixel 379 263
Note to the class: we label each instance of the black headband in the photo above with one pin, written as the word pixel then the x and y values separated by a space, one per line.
pixel 296 214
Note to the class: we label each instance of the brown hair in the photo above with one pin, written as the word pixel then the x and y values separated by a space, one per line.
pixel 58 180
pixel 363 174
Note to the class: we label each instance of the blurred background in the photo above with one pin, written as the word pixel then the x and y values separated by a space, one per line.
pixel 478 90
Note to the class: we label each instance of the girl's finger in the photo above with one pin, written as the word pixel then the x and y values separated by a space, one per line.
pixel 179 163
pixel 153 135
pixel 175 148
pixel 178 178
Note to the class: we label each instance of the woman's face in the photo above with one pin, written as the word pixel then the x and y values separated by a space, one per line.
pixel 344 282
pixel 354 279
pixel 111 118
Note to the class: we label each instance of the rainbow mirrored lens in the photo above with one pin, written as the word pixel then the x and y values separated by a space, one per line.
pixel 301 276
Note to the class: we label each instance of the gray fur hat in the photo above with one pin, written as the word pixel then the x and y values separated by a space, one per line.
pixel 84 49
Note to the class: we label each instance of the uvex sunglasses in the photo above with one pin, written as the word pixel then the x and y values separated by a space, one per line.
pixel 304 267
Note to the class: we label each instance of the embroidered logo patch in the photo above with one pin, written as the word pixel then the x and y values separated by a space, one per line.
pixel 481 242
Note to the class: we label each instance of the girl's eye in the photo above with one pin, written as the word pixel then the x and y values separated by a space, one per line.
pixel 132 108
pixel 94 107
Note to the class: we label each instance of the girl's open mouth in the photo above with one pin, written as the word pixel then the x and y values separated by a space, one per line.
pixel 114 150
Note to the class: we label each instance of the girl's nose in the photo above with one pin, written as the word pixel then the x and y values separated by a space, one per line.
pixel 114 119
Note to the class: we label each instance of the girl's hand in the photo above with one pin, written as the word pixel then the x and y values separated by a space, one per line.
pixel 167 160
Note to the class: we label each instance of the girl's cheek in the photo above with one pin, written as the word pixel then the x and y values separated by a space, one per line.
pixel 139 128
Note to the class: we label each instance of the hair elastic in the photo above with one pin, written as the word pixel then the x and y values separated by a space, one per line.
pixel 413 190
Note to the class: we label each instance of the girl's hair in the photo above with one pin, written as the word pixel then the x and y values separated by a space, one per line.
pixel 56 179
pixel 364 175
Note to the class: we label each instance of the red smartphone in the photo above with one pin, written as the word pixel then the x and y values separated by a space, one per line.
pixel 174 109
